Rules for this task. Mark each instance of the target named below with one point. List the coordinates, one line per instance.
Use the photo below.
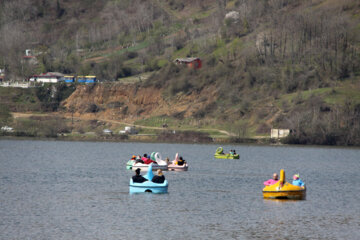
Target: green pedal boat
(220, 154)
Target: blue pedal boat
(148, 186)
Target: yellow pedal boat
(284, 190)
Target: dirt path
(148, 127)
(27, 115)
(279, 111)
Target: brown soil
(131, 102)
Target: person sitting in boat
(167, 160)
(145, 159)
(181, 161)
(138, 159)
(297, 181)
(138, 178)
(148, 161)
(272, 181)
(133, 157)
(159, 178)
(234, 152)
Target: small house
(193, 62)
(28, 52)
(29, 57)
(279, 133)
(50, 77)
(129, 130)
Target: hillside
(281, 63)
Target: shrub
(115, 104)
(263, 129)
(92, 108)
(179, 43)
(51, 95)
(131, 55)
(5, 115)
(179, 115)
(152, 65)
(41, 127)
(187, 136)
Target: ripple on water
(79, 190)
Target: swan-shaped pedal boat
(148, 186)
(220, 154)
(130, 163)
(284, 190)
(160, 164)
(173, 166)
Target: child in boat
(272, 181)
(159, 178)
(138, 178)
(297, 181)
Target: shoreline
(137, 140)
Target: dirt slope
(130, 102)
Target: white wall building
(279, 133)
(50, 77)
(129, 130)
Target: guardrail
(16, 84)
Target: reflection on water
(79, 190)
(280, 200)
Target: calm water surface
(79, 190)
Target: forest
(291, 64)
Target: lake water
(79, 190)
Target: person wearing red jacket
(147, 160)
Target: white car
(107, 131)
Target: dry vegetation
(270, 50)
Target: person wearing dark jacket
(138, 178)
(138, 159)
(181, 161)
(159, 178)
